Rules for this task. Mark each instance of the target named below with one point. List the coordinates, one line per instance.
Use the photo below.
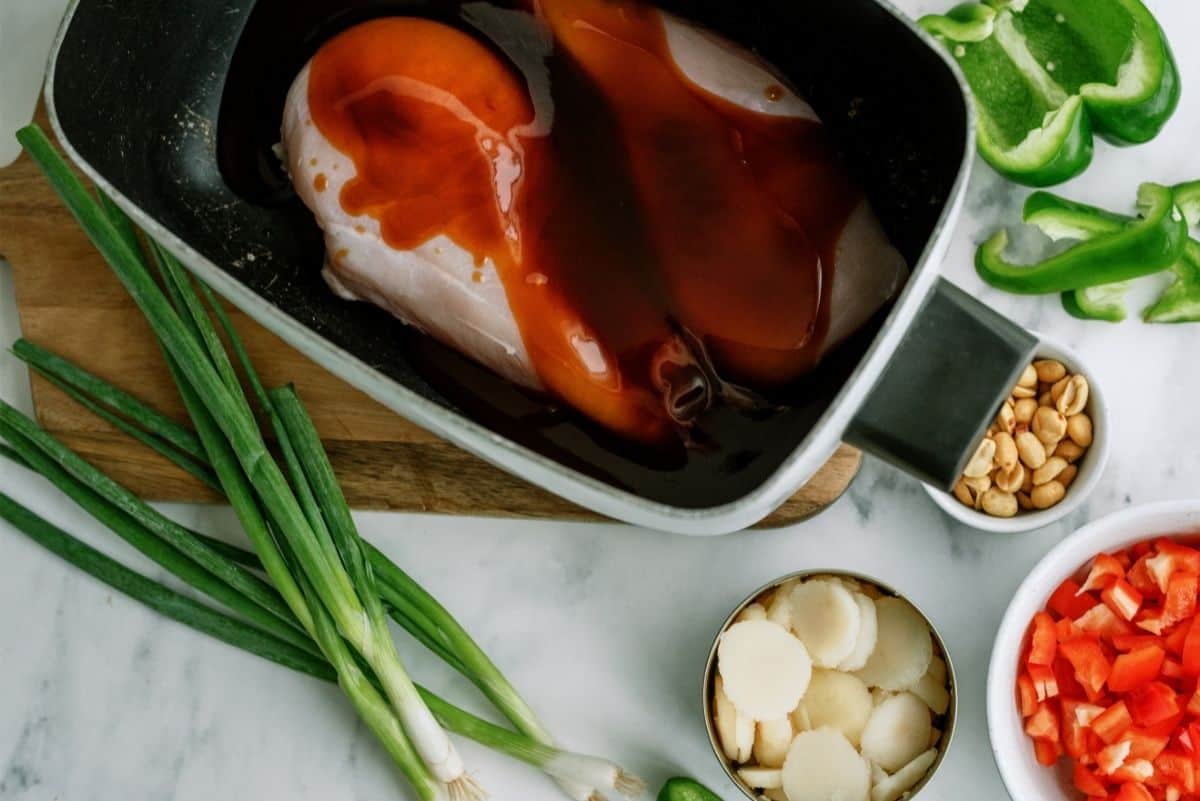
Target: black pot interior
(177, 105)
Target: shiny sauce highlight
(654, 240)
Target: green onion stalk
(330, 580)
(239, 634)
(329, 585)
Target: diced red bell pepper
(1074, 733)
(1193, 731)
(1131, 642)
(1153, 620)
(1193, 704)
(1066, 629)
(1140, 577)
(1132, 791)
(1068, 602)
(1145, 746)
(1176, 637)
(1103, 622)
(1122, 598)
(1047, 752)
(1136, 668)
(1180, 601)
(1176, 769)
(1112, 724)
(1110, 758)
(1171, 557)
(1026, 695)
(1104, 571)
(1152, 704)
(1043, 724)
(1172, 669)
(1087, 782)
(1087, 657)
(1166, 726)
(1045, 683)
(1134, 770)
(1068, 685)
(1043, 640)
(1191, 650)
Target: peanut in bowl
(1043, 454)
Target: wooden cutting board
(70, 303)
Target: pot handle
(942, 387)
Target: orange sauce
(649, 236)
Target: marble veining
(604, 627)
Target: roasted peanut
(1058, 389)
(1045, 400)
(1010, 479)
(1006, 419)
(963, 493)
(982, 462)
(1079, 429)
(1068, 450)
(1024, 409)
(1052, 448)
(999, 504)
(1024, 392)
(1074, 397)
(1006, 450)
(1049, 471)
(1049, 425)
(1049, 370)
(1024, 502)
(1047, 495)
(1029, 378)
(1067, 476)
(1031, 450)
(1027, 483)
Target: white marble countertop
(605, 627)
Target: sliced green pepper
(1059, 218)
(681, 789)
(1187, 198)
(1045, 73)
(1140, 247)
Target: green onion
(144, 540)
(302, 530)
(232, 631)
(328, 578)
(160, 599)
(50, 364)
(409, 603)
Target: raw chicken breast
(526, 325)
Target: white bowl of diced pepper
(1043, 453)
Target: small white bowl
(1025, 779)
(1091, 466)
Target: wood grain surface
(70, 303)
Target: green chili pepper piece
(1141, 247)
(1046, 73)
(683, 789)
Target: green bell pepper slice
(683, 789)
(1045, 74)
(1180, 302)
(1143, 246)
(1060, 218)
